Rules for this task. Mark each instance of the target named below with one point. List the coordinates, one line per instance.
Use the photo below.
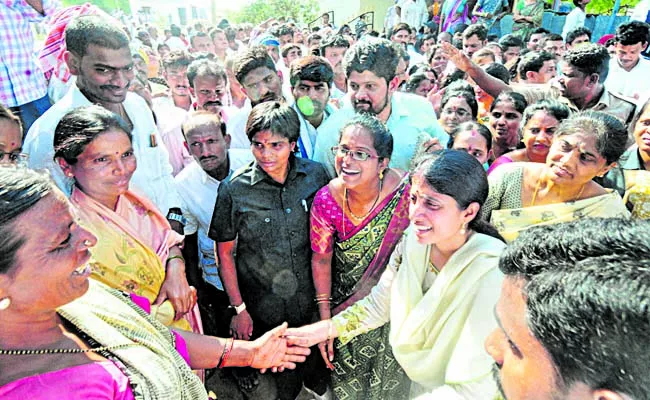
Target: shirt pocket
(257, 228)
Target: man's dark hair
(553, 37)
(175, 30)
(311, 68)
(576, 33)
(252, 58)
(632, 32)
(509, 41)
(282, 30)
(378, 56)
(533, 61)
(539, 30)
(333, 41)
(94, 30)
(589, 59)
(276, 117)
(476, 29)
(587, 288)
(400, 26)
(498, 71)
(288, 47)
(312, 37)
(205, 67)
(177, 59)
(610, 42)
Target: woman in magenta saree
(351, 252)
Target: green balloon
(306, 106)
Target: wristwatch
(177, 217)
(240, 308)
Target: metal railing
(361, 22)
(330, 13)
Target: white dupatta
(437, 336)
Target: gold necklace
(345, 197)
(539, 184)
(63, 351)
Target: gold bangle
(177, 256)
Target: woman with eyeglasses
(11, 138)
(356, 222)
(456, 107)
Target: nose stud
(87, 243)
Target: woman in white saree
(440, 287)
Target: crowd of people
(440, 210)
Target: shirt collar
(605, 99)
(631, 159)
(397, 107)
(295, 168)
(205, 178)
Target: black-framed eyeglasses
(357, 155)
(15, 157)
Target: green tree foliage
(606, 6)
(603, 6)
(107, 5)
(302, 11)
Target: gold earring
(463, 230)
(5, 303)
(381, 175)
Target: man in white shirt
(197, 185)
(174, 41)
(311, 82)
(414, 13)
(260, 81)
(628, 71)
(370, 66)
(576, 17)
(333, 48)
(98, 55)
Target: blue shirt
(412, 122)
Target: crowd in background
(440, 210)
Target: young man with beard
(628, 70)
(98, 55)
(311, 82)
(573, 313)
(370, 66)
(260, 81)
(333, 48)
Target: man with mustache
(370, 67)
(208, 84)
(580, 84)
(207, 139)
(628, 70)
(333, 48)
(260, 81)
(98, 55)
(175, 73)
(573, 313)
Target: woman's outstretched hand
(276, 351)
